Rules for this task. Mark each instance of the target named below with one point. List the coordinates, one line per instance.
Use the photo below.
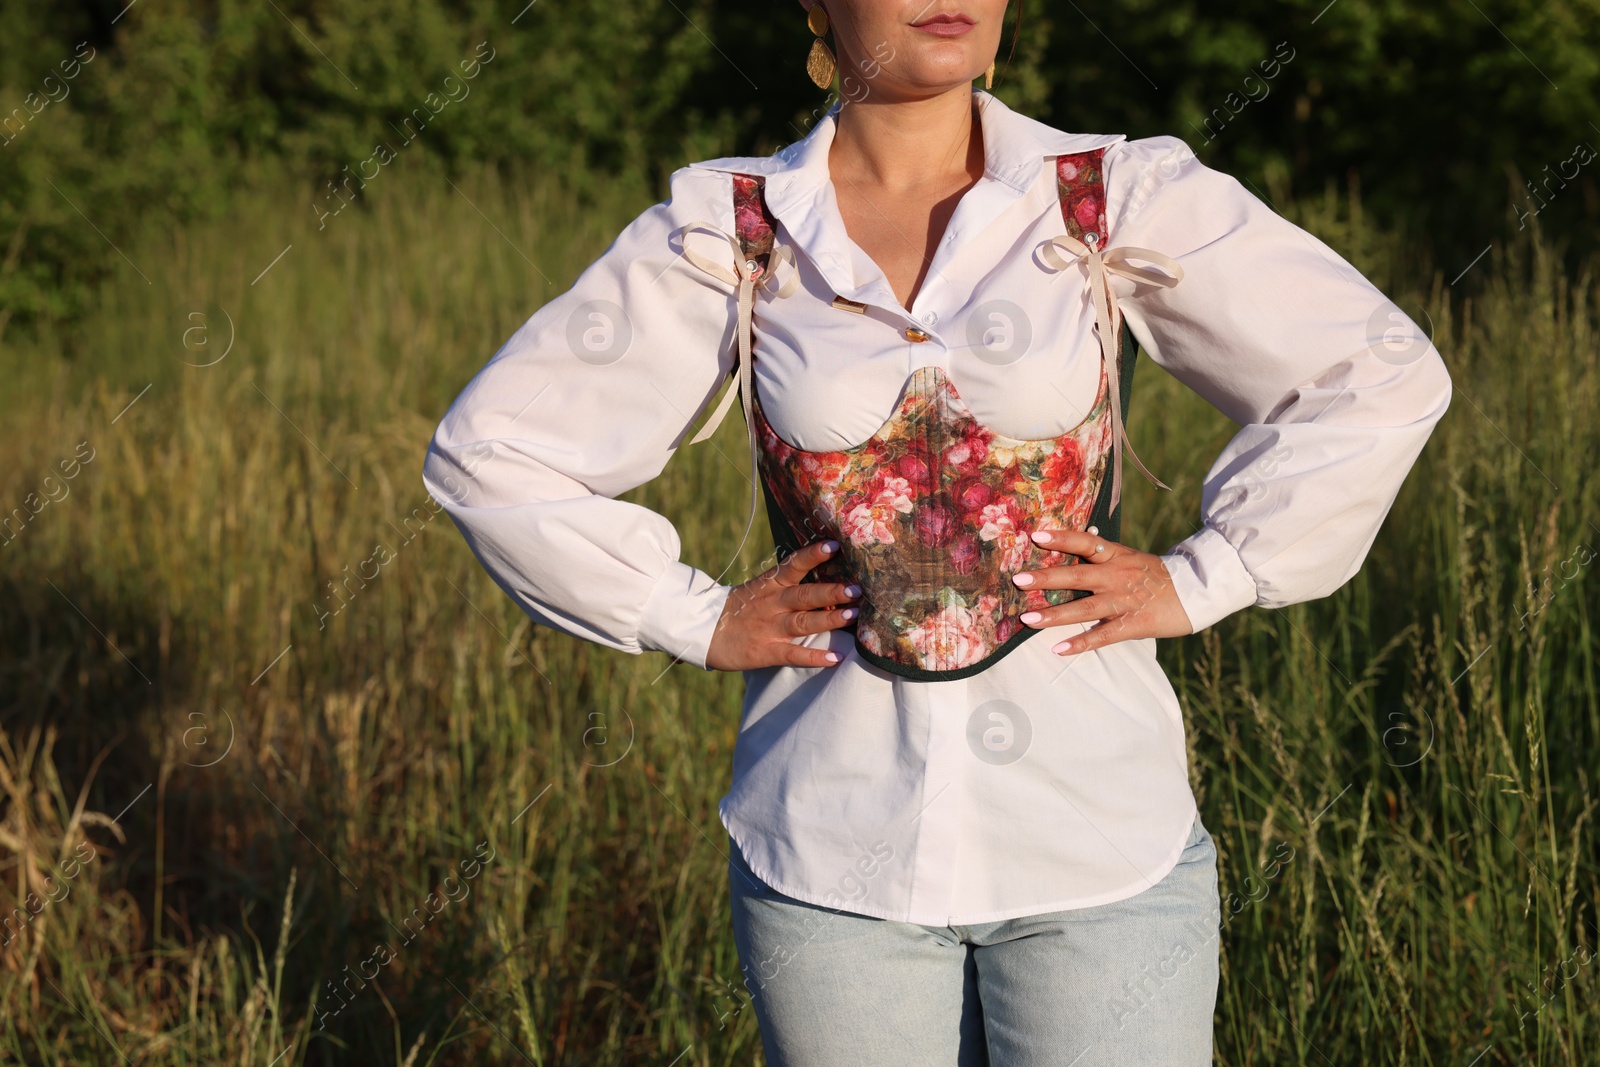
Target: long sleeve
(1335, 390)
(588, 399)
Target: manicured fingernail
(1040, 537)
(831, 657)
(1023, 580)
(1031, 617)
(1062, 648)
(849, 613)
(852, 591)
(830, 547)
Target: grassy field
(222, 796)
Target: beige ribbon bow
(1108, 317)
(746, 275)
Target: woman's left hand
(1131, 593)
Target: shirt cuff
(682, 613)
(1209, 578)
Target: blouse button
(915, 335)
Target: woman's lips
(946, 25)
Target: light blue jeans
(1129, 984)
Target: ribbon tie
(745, 277)
(1108, 318)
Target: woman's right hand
(762, 617)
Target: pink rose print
(893, 492)
(996, 521)
(967, 455)
(972, 494)
(964, 554)
(915, 469)
(936, 525)
(1015, 551)
(1087, 216)
(866, 524)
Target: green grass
(1443, 872)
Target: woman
(952, 844)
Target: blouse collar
(799, 189)
(1014, 148)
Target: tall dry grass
(266, 790)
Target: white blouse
(1043, 783)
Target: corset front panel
(933, 514)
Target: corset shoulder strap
(755, 234)
(753, 223)
(1081, 188)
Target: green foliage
(1432, 105)
(1442, 112)
(184, 103)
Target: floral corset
(934, 511)
(933, 514)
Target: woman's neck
(908, 144)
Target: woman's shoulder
(1135, 172)
(700, 192)
(1132, 168)
(704, 188)
(1162, 179)
(1140, 154)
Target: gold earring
(988, 77)
(820, 63)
